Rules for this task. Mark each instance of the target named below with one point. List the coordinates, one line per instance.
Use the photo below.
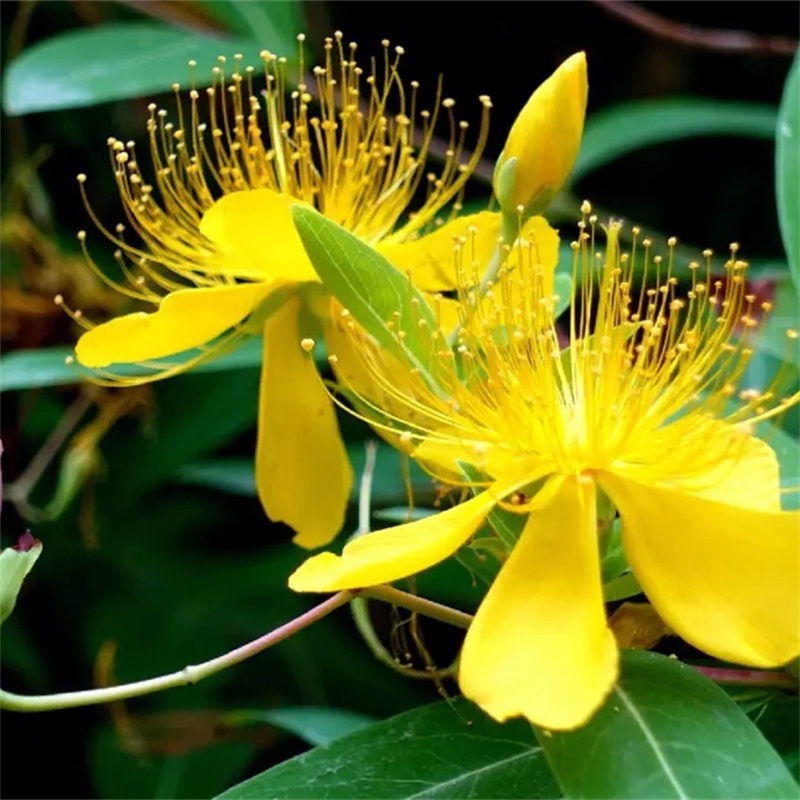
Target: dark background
(175, 576)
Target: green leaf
(267, 21)
(231, 475)
(314, 725)
(195, 417)
(778, 719)
(788, 454)
(785, 315)
(35, 369)
(388, 487)
(787, 169)
(621, 130)
(116, 61)
(366, 284)
(237, 475)
(562, 288)
(666, 731)
(614, 562)
(442, 750)
(482, 558)
(187, 773)
(621, 588)
(15, 564)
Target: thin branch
(723, 41)
(18, 491)
(359, 607)
(194, 673)
(419, 604)
(188, 675)
(761, 679)
(365, 492)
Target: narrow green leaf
(787, 169)
(667, 731)
(366, 284)
(314, 725)
(35, 369)
(118, 60)
(621, 130)
(449, 750)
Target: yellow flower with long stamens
(215, 255)
(642, 412)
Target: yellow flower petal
(746, 473)
(395, 553)
(302, 471)
(543, 241)
(724, 577)
(539, 646)
(185, 319)
(449, 313)
(351, 348)
(430, 258)
(447, 446)
(254, 232)
(543, 252)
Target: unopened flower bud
(15, 563)
(543, 142)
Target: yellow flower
(215, 254)
(544, 140)
(640, 411)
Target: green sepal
(15, 563)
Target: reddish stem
(693, 36)
(749, 677)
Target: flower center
(640, 374)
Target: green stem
(360, 609)
(490, 273)
(365, 492)
(509, 230)
(427, 608)
(196, 672)
(188, 675)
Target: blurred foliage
(155, 547)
